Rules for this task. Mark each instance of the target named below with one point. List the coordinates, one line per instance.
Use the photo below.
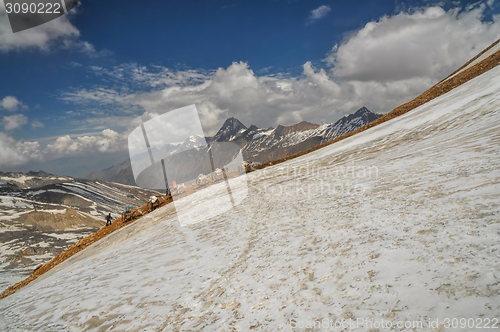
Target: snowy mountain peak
(191, 142)
(253, 128)
(229, 129)
(233, 122)
(363, 110)
(195, 138)
(362, 115)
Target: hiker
(152, 201)
(108, 219)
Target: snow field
(419, 242)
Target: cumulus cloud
(386, 63)
(318, 13)
(427, 43)
(10, 103)
(44, 37)
(9, 155)
(14, 153)
(261, 100)
(14, 121)
(108, 141)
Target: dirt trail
(434, 92)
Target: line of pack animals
(154, 202)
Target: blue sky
(72, 89)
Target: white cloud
(383, 65)
(234, 91)
(10, 103)
(261, 100)
(110, 133)
(108, 141)
(37, 124)
(9, 155)
(14, 121)
(425, 44)
(58, 32)
(14, 153)
(101, 95)
(150, 77)
(386, 63)
(318, 13)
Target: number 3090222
(33, 8)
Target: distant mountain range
(257, 144)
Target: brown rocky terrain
(50, 222)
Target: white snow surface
(400, 223)
(64, 236)
(21, 179)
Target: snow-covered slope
(400, 224)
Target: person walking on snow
(108, 219)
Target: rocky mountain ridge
(257, 144)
